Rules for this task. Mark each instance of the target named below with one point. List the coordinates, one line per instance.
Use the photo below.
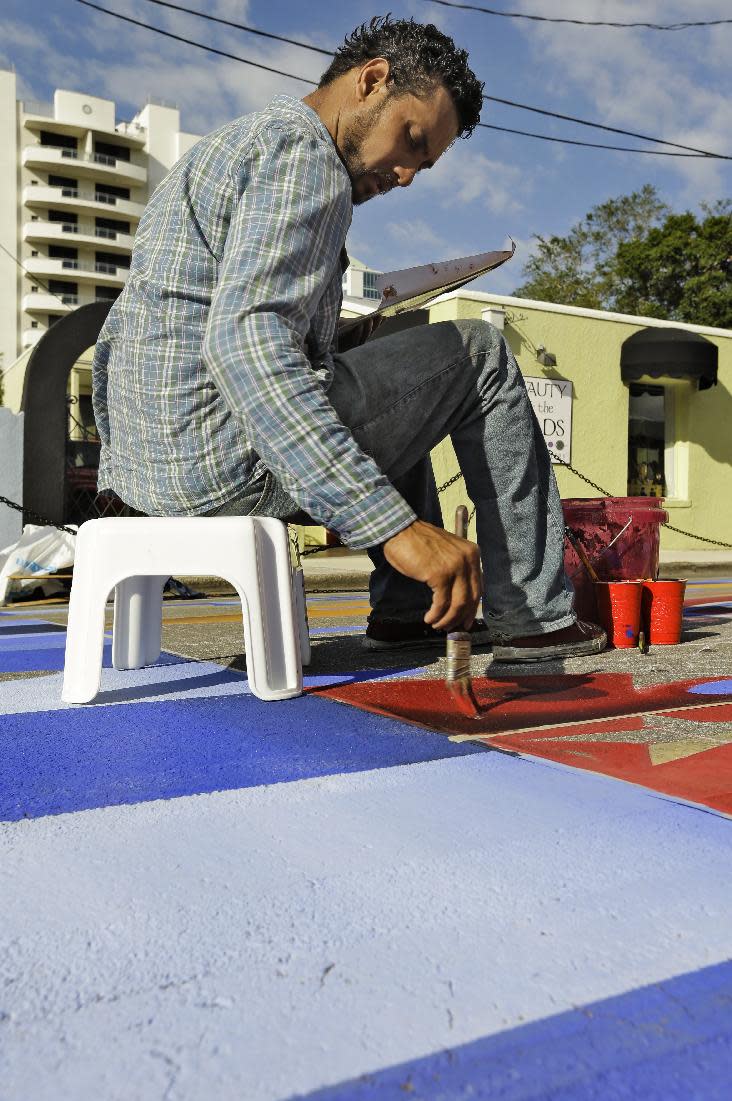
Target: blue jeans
(401, 395)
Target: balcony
(43, 302)
(78, 233)
(40, 116)
(96, 271)
(70, 198)
(97, 166)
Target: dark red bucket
(630, 524)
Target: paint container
(662, 611)
(619, 611)
(597, 522)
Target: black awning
(669, 353)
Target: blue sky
(674, 85)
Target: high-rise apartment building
(73, 185)
(359, 282)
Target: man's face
(395, 136)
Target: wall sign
(551, 399)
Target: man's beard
(352, 145)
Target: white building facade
(73, 186)
(359, 283)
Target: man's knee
(478, 335)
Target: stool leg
(85, 628)
(138, 603)
(127, 634)
(152, 618)
(301, 613)
(263, 579)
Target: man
(219, 389)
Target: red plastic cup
(662, 611)
(619, 611)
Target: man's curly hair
(419, 55)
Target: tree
(574, 270)
(676, 270)
(633, 255)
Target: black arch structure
(44, 405)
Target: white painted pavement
(260, 943)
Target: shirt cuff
(373, 519)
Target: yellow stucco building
(643, 418)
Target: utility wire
(602, 126)
(581, 22)
(42, 285)
(486, 126)
(492, 99)
(242, 27)
(597, 145)
(33, 278)
(191, 42)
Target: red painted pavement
(537, 714)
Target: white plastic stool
(136, 555)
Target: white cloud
(409, 231)
(127, 63)
(652, 82)
(462, 176)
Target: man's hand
(449, 565)
(359, 333)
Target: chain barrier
(449, 482)
(671, 527)
(583, 477)
(564, 462)
(702, 538)
(35, 517)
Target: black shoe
(395, 634)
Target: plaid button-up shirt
(214, 363)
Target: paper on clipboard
(414, 287)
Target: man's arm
(281, 253)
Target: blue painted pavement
(668, 1042)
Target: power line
(242, 27)
(595, 145)
(487, 126)
(191, 42)
(32, 277)
(610, 129)
(42, 285)
(492, 99)
(581, 22)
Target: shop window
(657, 449)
